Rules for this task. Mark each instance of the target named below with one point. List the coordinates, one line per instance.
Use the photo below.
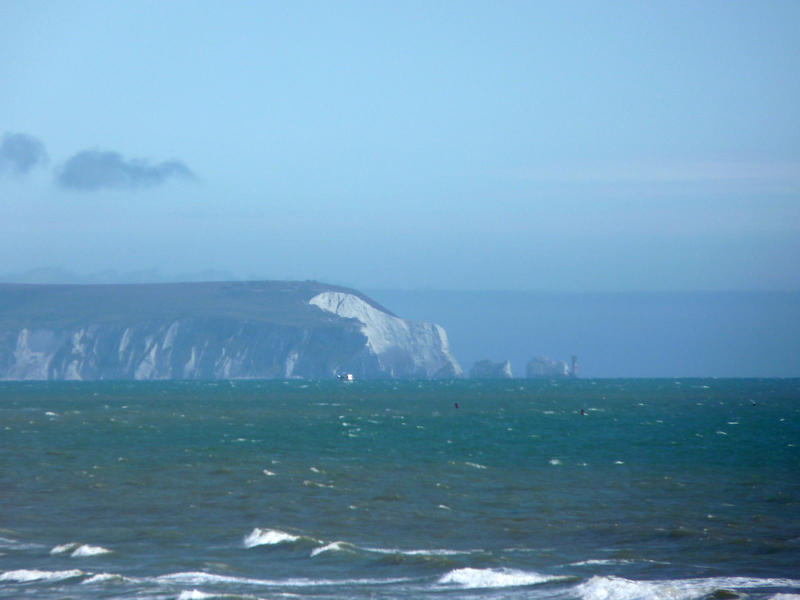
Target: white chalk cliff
(227, 330)
(403, 348)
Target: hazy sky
(473, 145)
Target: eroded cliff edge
(231, 330)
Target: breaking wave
(28, 575)
(78, 550)
(619, 588)
(87, 550)
(494, 578)
(194, 578)
(334, 547)
(198, 595)
(268, 537)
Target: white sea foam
(26, 575)
(198, 595)
(197, 578)
(79, 550)
(333, 547)
(106, 578)
(203, 578)
(194, 595)
(64, 548)
(618, 588)
(436, 552)
(785, 597)
(602, 561)
(268, 537)
(493, 578)
(475, 465)
(317, 484)
(424, 552)
(87, 550)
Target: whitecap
(203, 578)
(106, 578)
(64, 548)
(618, 588)
(26, 575)
(194, 578)
(422, 552)
(493, 578)
(615, 561)
(437, 552)
(475, 465)
(267, 537)
(602, 561)
(317, 484)
(555, 462)
(333, 547)
(87, 550)
(198, 595)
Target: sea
(573, 489)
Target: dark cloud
(19, 153)
(96, 169)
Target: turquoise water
(271, 489)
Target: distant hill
(260, 329)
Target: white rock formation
(394, 341)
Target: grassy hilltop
(65, 306)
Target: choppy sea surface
(519, 489)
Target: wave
(275, 537)
(334, 547)
(28, 575)
(64, 548)
(432, 552)
(615, 562)
(602, 561)
(268, 537)
(618, 588)
(495, 578)
(79, 550)
(475, 465)
(198, 595)
(108, 578)
(87, 550)
(202, 578)
(10, 544)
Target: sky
(556, 146)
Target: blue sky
(580, 146)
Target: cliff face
(402, 348)
(210, 331)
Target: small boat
(345, 377)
